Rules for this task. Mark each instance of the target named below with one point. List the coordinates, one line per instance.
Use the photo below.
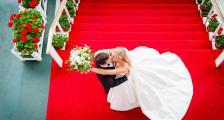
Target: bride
(159, 84)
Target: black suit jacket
(109, 81)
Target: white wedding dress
(159, 84)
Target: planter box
(41, 7)
(72, 18)
(65, 33)
(211, 34)
(65, 42)
(37, 55)
(204, 19)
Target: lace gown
(159, 84)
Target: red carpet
(166, 25)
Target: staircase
(166, 25)
(152, 23)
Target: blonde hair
(121, 54)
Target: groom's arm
(111, 71)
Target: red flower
(35, 46)
(42, 27)
(29, 29)
(35, 39)
(14, 40)
(12, 17)
(28, 25)
(19, 1)
(63, 12)
(203, 8)
(34, 18)
(18, 16)
(61, 0)
(20, 24)
(33, 3)
(220, 31)
(23, 32)
(10, 24)
(57, 29)
(36, 29)
(214, 16)
(64, 29)
(23, 38)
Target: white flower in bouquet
(81, 59)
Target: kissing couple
(160, 84)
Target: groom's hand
(93, 69)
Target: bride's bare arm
(109, 51)
(110, 71)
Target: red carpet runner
(166, 25)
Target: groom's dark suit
(109, 81)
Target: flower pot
(67, 35)
(41, 7)
(220, 44)
(65, 43)
(36, 55)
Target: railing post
(219, 59)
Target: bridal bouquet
(81, 59)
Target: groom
(103, 61)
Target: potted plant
(59, 41)
(212, 23)
(27, 27)
(29, 3)
(71, 7)
(219, 41)
(205, 8)
(40, 5)
(64, 22)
